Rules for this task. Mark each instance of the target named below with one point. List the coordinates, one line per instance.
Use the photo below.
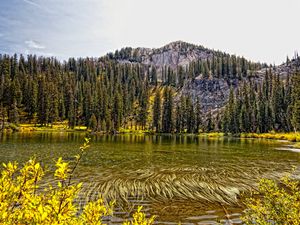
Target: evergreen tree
(198, 116)
(295, 119)
(178, 121)
(167, 115)
(244, 119)
(261, 119)
(183, 115)
(153, 76)
(209, 123)
(230, 120)
(117, 111)
(93, 123)
(157, 111)
(143, 109)
(190, 115)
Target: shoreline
(63, 127)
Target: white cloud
(32, 3)
(34, 44)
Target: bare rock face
(212, 93)
(175, 54)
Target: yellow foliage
(294, 137)
(275, 204)
(212, 135)
(139, 218)
(23, 202)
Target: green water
(179, 178)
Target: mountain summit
(174, 54)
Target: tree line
(106, 95)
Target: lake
(185, 178)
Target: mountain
(212, 88)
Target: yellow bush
(274, 204)
(139, 218)
(22, 201)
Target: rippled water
(179, 178)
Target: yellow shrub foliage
(275, 204)
(22, 201)
(294, 137)
(139, 218)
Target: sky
(260, 30)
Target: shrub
(139, 218)
(275, 203)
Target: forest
(107, 94)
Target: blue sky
(261, 30)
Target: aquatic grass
(174, 184)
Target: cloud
(32, 3)
(34, 44)
(39, 5)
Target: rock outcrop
(213, 93)
(174, 54)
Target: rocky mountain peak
(178, 46)
(174, 54)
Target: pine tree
(167, 115)
(178, 121)
(198, 116)
(93, 123)
(276, 103)
(261, 120)
(43, 101)
(190, 115)
(209, 123)
(14, 114)
(71, 112)
(230, 120)
(117, 111)
(244, 119)
(157, 111)
(143, 109)
(183, 115)
(295, 119)
(153, 76)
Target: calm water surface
(179, 178)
